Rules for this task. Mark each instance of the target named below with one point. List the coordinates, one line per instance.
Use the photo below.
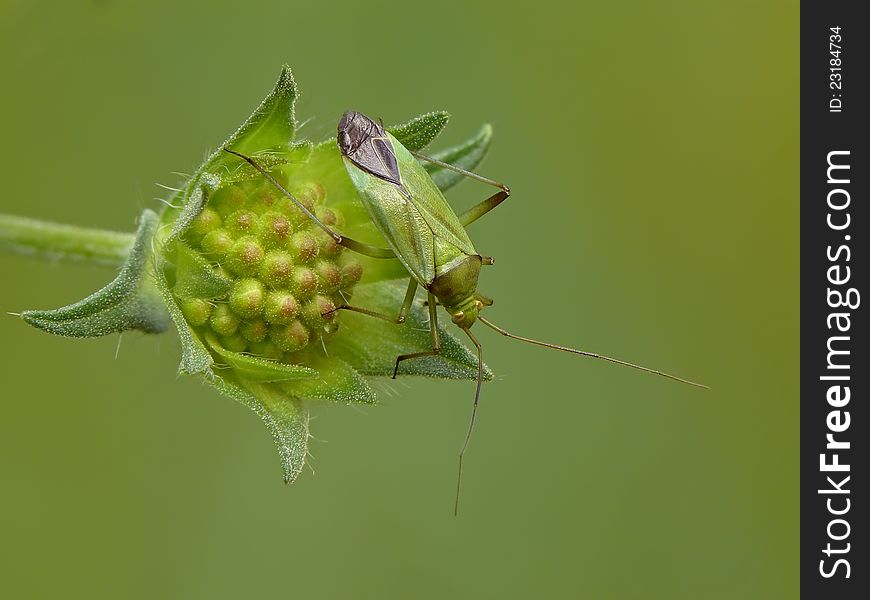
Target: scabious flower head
(253, 285)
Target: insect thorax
(456, 285)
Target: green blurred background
(652, 149)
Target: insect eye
(459, 317)
(478, 304)
(344, 140)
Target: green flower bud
(318, 311)
(228, 200)
(288, 208)
(206, 221)
(235, 343)
(351, 271)
(217, 243)
(303, 246)
(309, 193)
(196, 311)
(328, 276)
(274, 229)
(290, 337)
(223, 322)
(276, 269)
(246, 299)
(303, 282)
(254, 331)
(326, 215)
(267, 197)
(241, 222)
(281, 308)
(326, 245)
(245, 256)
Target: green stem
(19, 235)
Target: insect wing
(430, 202)
(402, 225)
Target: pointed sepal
(130, 301)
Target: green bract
(246, 278)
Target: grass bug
(426, 236)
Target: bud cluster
(287, 274)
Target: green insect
(425, 235)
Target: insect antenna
(589, 354)
(473, 417)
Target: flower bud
(234, 343)
(196, 311)
(309, 193)
(246, 298)
(326, 245)
(274, 229)
(241, 222)
(290, 337)
(245, 256)
(217, 243)
(206, 221)
(223, 322)
(318, 311)
(326, 215)
(328, 276)
(303, 246)
(303, 282)
(351, 271)
(228, 200)
(281, 308)
(276, 269)
(254, 331)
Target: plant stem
(19, 235)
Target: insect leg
(436, 339)
(477, 211)
(465, 172)
(403, 311)
(473, 417)
(348, 243)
